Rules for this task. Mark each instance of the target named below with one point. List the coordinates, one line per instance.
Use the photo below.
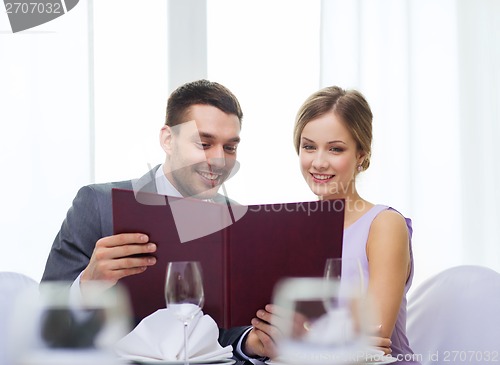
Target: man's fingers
(265, 327)
(115, 275)
(268, 345)
(117, 268)
(105, 252)
(121, 255)
(277, 310)
(134, 249)
(264, 315)
(131, 262)
(122, 239)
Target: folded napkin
(160, 336)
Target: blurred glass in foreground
(50, 326)
(322, 321)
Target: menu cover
(243, 250)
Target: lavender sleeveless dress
(354, 246)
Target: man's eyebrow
(205, 135)
(211, 136)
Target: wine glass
(351, 308)
(184, 293)
(348, 272)
(345, 279)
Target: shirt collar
(163, 186)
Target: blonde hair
(349, 105)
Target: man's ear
(166, 139)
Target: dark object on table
(68, 328)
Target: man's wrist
(241, 346)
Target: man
(200, 139)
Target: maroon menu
(243, 250)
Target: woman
(332, 136)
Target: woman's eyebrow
(330, 142)
(307, 139)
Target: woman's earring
(360, 168)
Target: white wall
(45, 144)
(270, 59)
(130, 58)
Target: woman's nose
(320, 162)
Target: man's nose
(216, 156)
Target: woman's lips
(321, 178)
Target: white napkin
(160, 336)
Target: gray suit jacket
(89, 219)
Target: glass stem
(186, 362)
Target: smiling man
(200, 139)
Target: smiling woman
(333, 131)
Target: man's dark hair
(200, 92)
